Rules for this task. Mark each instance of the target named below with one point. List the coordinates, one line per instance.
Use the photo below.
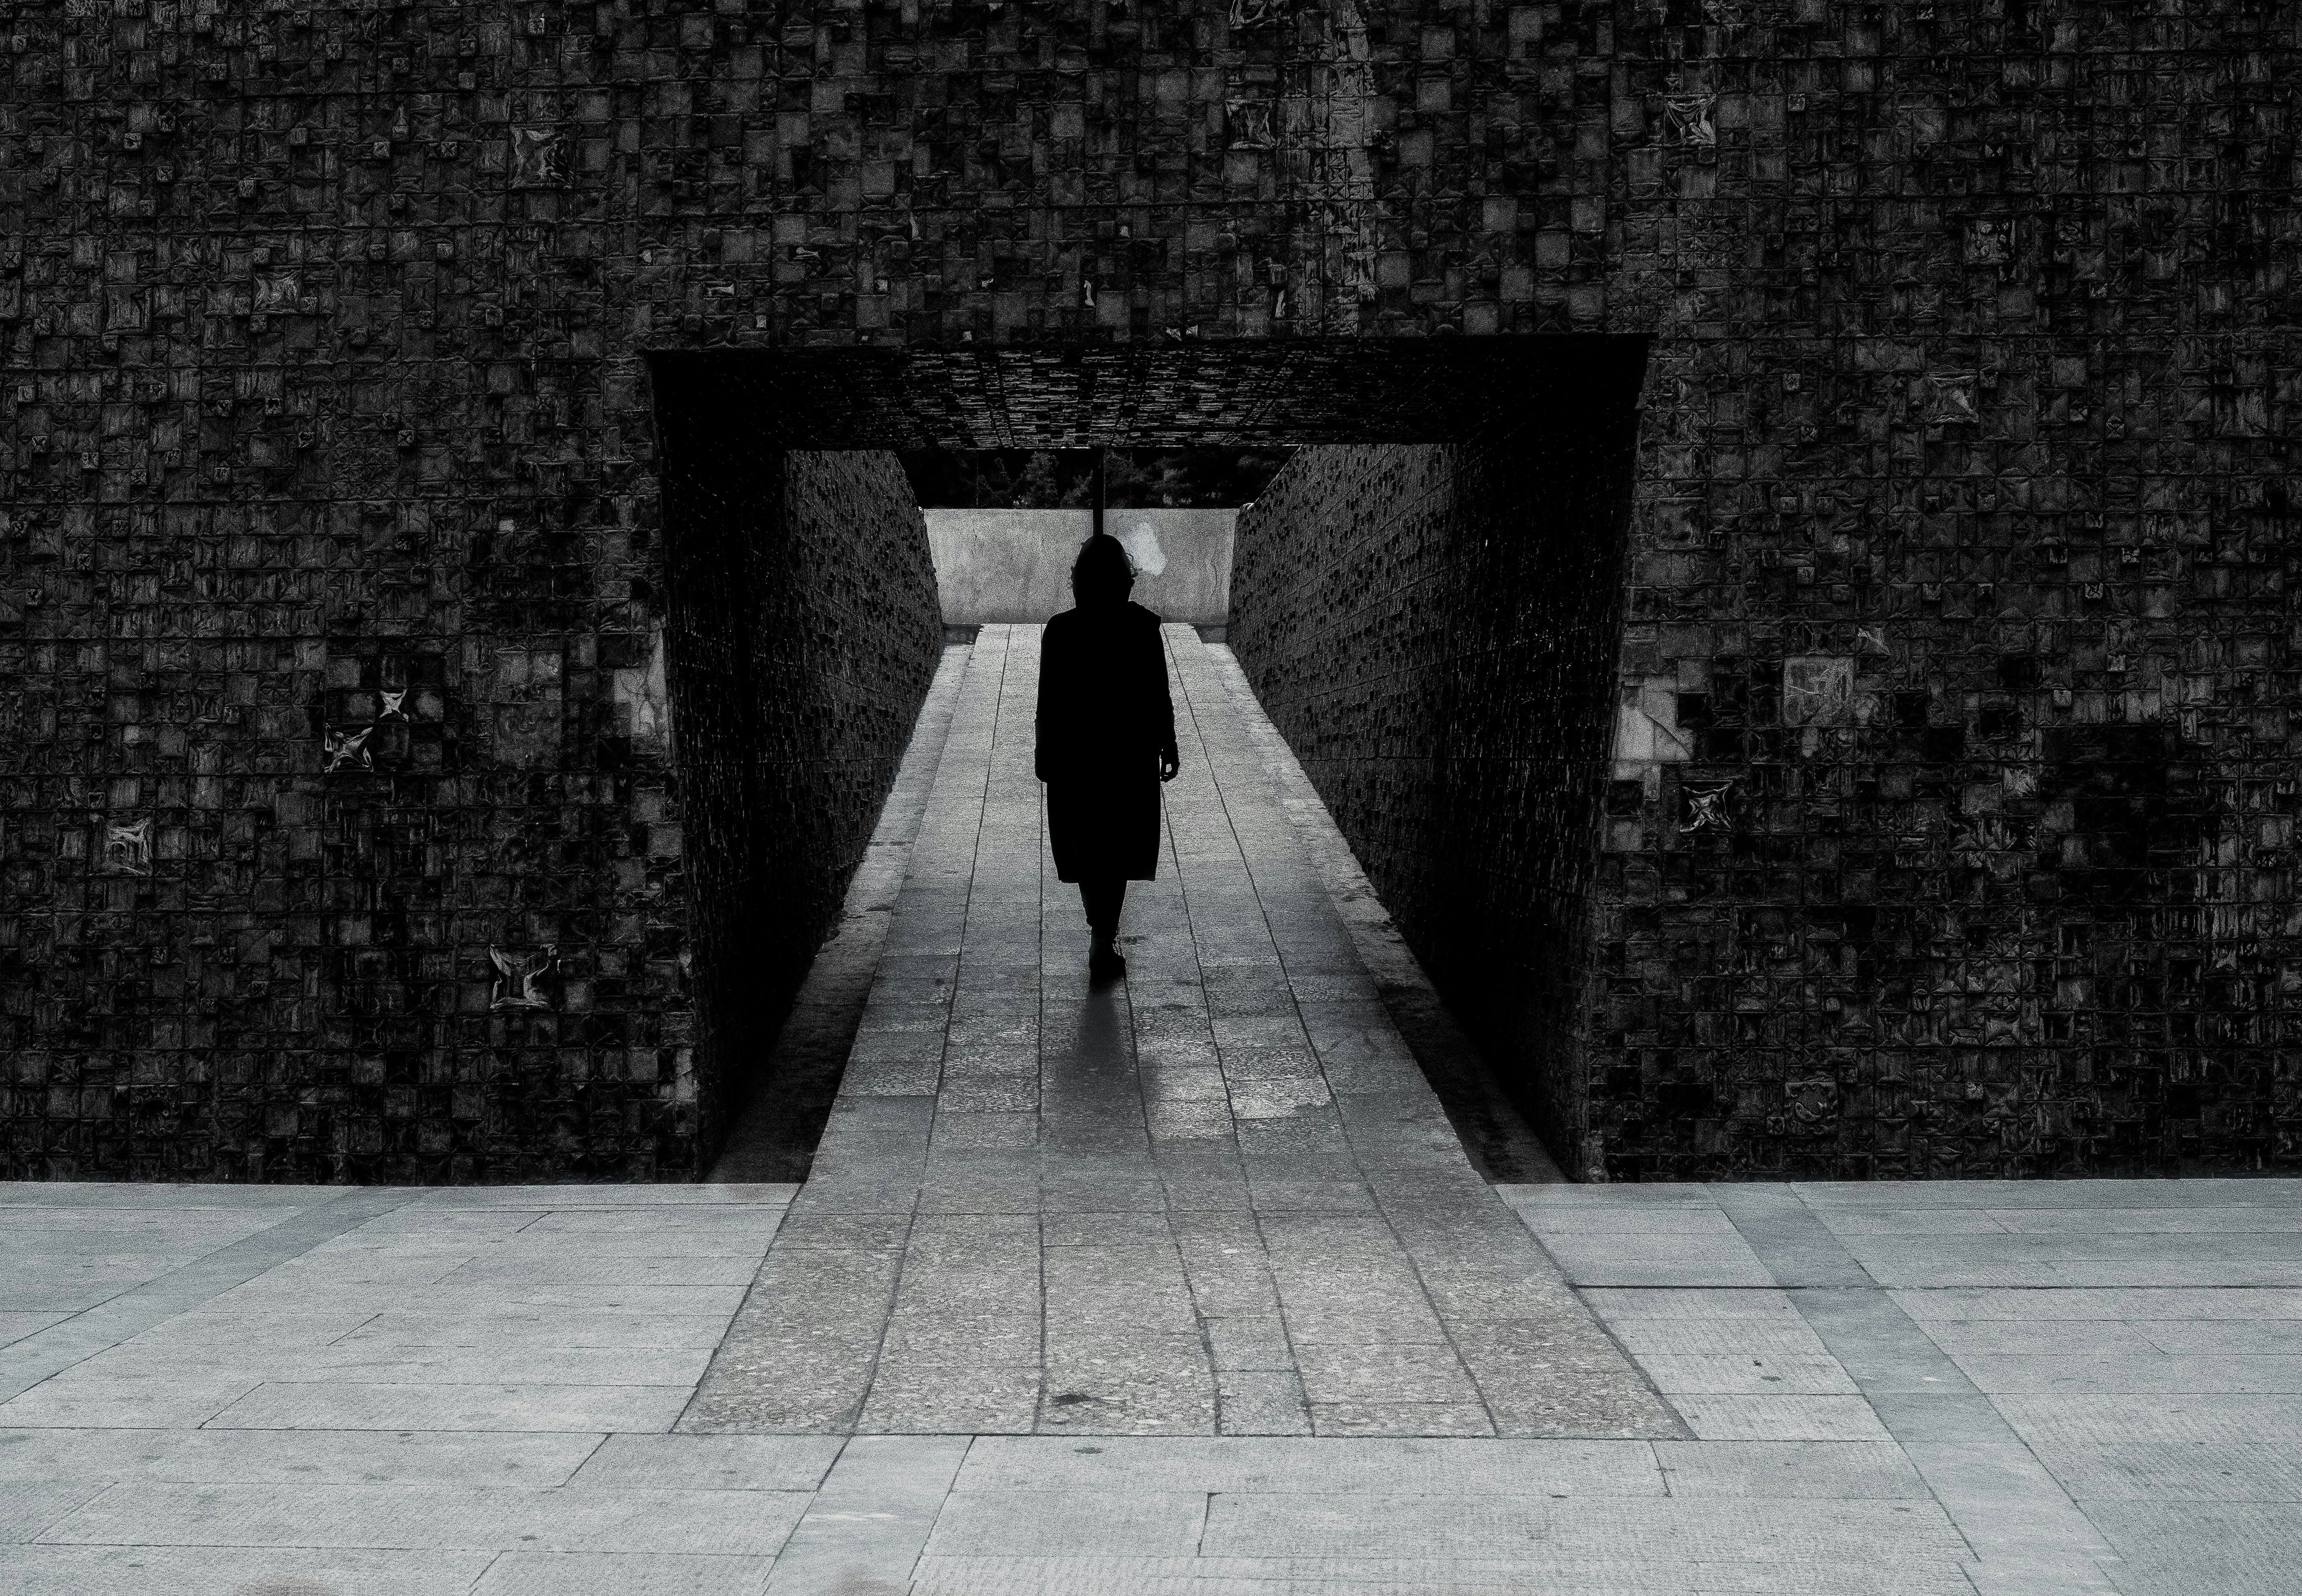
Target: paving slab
(1402, 1525)
(626, 1574)
(432, 1517)
(1780, 1469)
(30, 1507)
(709, 1462)
(383, 1406)
(1459, 1576)
(2200, 1470)
(275, 1456)
(2180, 1549)
(1073, 1522)
(867, 1525)
(1298, 1467)
(142, 1570)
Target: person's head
(1103, 573)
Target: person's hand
(1170, 762)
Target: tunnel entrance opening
(1427, 599)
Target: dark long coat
(1105, 719)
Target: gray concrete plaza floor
(1185, 1288)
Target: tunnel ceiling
(1240, 395)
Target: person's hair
(1103, 573)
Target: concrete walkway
(1182, 1289)
(1219, 1198)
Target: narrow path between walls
(1218, 1198)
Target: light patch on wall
(1647, 737)
(521, 978)
(641, 697)
(347, 750)
(1141, 542)
(128, 849)
(1819, 690)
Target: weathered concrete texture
(1216, 1199)
(1016, 565)
(1434, 631)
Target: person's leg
(1104, 899)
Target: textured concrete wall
(1434, 630)
(802, 635)
(1016, 565)
(1954, 827)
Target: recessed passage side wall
(804, 631)
(1434, 629)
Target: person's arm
(1042, 753)
(1170, 757)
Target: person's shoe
(1103, 962)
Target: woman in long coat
(1105, 740)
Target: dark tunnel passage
(1426, 600)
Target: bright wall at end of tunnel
(803, 634)
(1434, 630)
(1015, 565)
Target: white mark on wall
(346, 748)
(1141, 542)
(1646, 732)
(519, 977)
(646, 704)
(1819, 690)
(128, 849)
(1706, 807)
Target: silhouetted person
(1106, 740)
